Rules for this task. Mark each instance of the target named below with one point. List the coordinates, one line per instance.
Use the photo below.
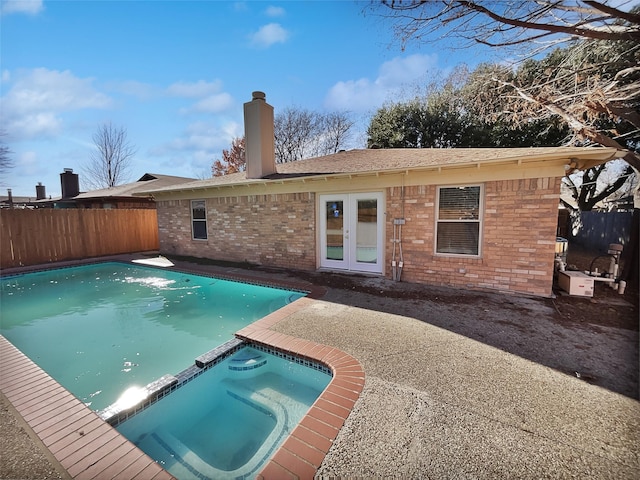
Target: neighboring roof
(4, 199)
(146, 182)
(405, 159)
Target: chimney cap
(68, 170)
(257, 95)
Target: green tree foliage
(459, 113)
(593, 85)
(420, 123)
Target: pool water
(101, 329)
(228, 421)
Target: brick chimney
(259, 137)
(70, 183)
(41, 192)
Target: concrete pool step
(304, 449)
(183, 462)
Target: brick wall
(262, 229)
(518, 235)
(518, 243)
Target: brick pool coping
(304, 449)
(88, 448)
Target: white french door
(351, 231)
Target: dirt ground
(618, 310)
(606, 308)
(594, 339)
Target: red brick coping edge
(305, 448)
(88, 448)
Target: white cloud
(32, 125)
(400, 71)
(140, 90)
(272, 11)
(212, 104)
(193, 153)
(393, 78)
(199, 142)
(36, 98)
(30, 7)
(268, 35)
(194, 89)
(27, 163)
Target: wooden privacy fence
(31, 237)
(599, 229)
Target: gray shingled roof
(146, 182)
(397, 159)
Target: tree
(596, 80)
(302, 133)
(593, 186)
(336, 128)
(436, 119)
(416, 124)
(498, 93)
(233, 160)
(450, 116)
(511, 24)
(110, 162)
(6, 162)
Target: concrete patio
(479, 388)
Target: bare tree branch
(548, 27)
(577, 125)
(506, 24)
(6, 162)
(110, 162)
(614, 12)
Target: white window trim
(480, 222)
(206, 228)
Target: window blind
(458, 225)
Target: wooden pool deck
(88, 448)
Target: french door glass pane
(366, 231)
(334, 232)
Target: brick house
(471, 218)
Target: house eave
(566, 161)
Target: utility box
(576, 283)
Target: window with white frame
(459, 220)
(198, 219)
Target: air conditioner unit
(576, 283)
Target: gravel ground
(22, 454)
(441, 404)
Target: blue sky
(175, 74)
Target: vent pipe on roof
(40, 191)
(259, 137)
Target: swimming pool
(227, 421)
(101, 329)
